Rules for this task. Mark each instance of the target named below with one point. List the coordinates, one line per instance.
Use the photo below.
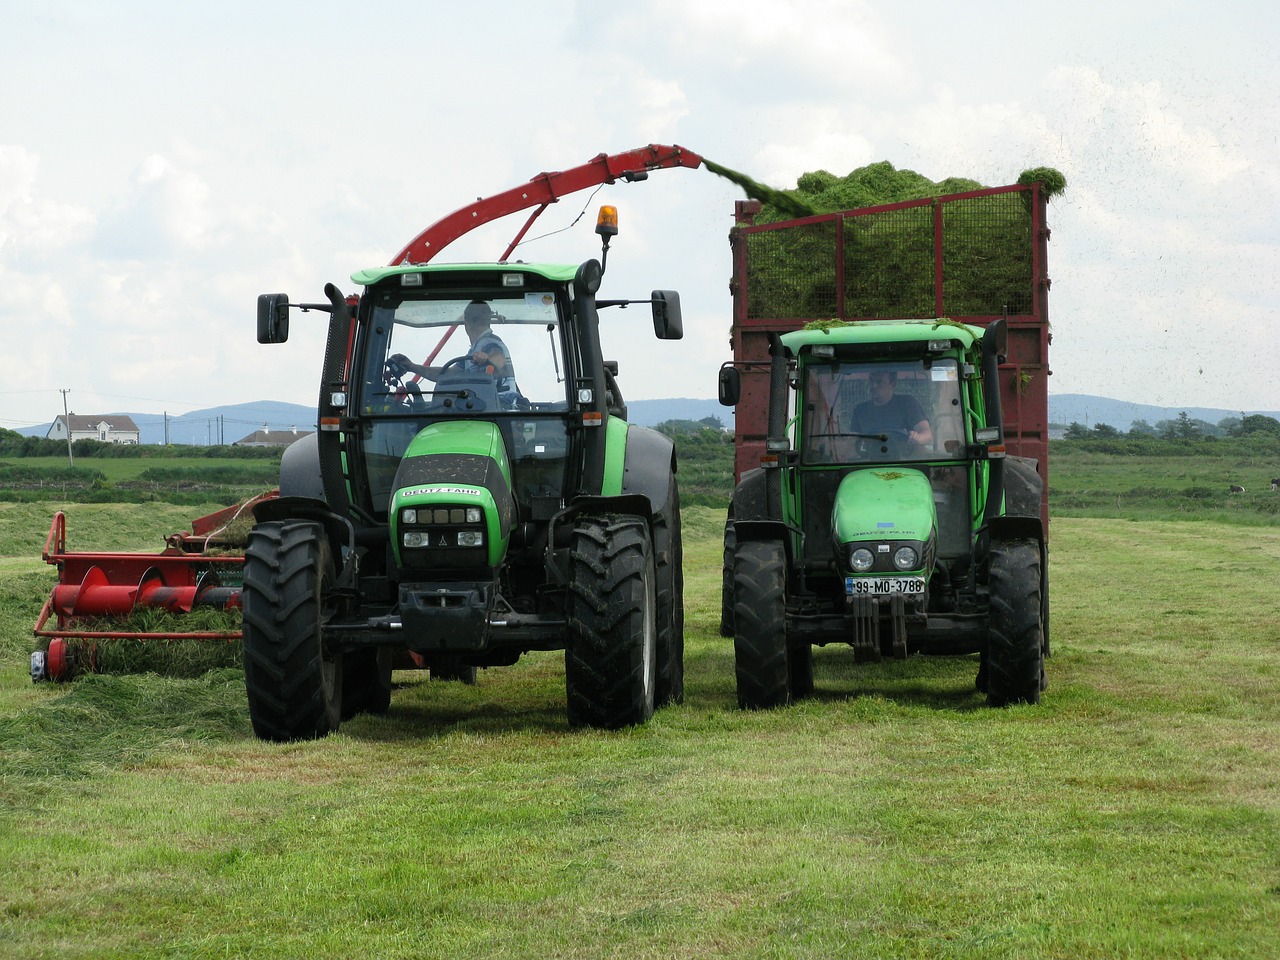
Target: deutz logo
(452, 491)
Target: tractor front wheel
(762, 660)
(294, 683)
(610, 658)
(1014, 661)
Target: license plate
(882, 586)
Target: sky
(162, 164)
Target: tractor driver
(897, 416)
(488, 355)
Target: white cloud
(29, 224)
(164, 213)
(122, 226)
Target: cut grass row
(1136, 812)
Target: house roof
(91, 421)
(272, 438)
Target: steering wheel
(456, 361)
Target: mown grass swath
(1135, 812)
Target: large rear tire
(610, 656)
(294, 684)
(1015, 639)
(726, 576)
(669, 568)
(761, 656)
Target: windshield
(897, 412)
(465, 355)
(434, 357)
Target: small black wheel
(366, 681)
(800, 669)
(761, 656)
(450, 669)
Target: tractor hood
(452, 506)
(883, 509)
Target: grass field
(1134, 813)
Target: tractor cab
(422, 367)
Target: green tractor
(465, 500)
(885, 514)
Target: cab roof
(558, 272)
(881, 331)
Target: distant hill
(233, 422)
(1071, 408)
(227, 424)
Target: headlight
(409, 515)
(906, 558)
(861, 559)
(416, 538)
(470, 538)
(473, 514)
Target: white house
(108, 429)
(272, 438)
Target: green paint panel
(558, 272)
(883, 331)
(614, 456)
(458, 463)
(892, 503)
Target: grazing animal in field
(1275, 485)
(1236, 488)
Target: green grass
(1136, 812)
(124, 469)
(1085, 483)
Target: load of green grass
(889, 256)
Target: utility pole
(66, 418)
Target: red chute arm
(540, 192)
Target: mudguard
(749, 497)
(648, 464)
(300, 469)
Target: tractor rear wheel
(1014, 659)
(366, 681)
(453, 670)
(800, 670)
(610, 657)
(294, 683)
(669, 568)
(761, 656)
(726, 577)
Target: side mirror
(995, 339)
(667, 322)
(273, 318)
(730, 386)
